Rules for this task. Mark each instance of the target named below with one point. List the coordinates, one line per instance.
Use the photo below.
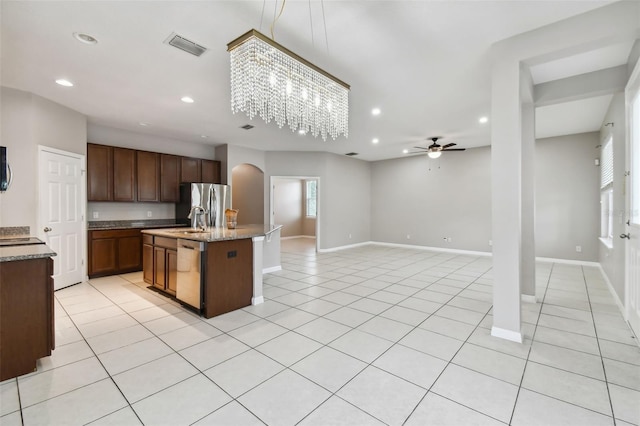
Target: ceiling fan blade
(448, 145)
(455, 149)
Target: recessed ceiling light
(405, 151)
(187, 100)
(376, 111)
(375, 140)
(144, 124)
(204, 136)
(63, 82)
(483, 120)
(302, 132)
(85, 38)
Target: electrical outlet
(579, 249)
(448, 239)
(96, 215)
(149, 213)
(490, 242)
(349, 236)
(408, 236)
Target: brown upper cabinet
(210, 171)
(169, 178)
(199, 170)
(191, 170)
(124, 174)
(99, 173)
(148, 176)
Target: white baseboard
(257, 300)
(514, 336)
(332, 249)
(272, 269)
(297, 236)
(439, 249)
(623, 310)
(528, 298)
(568, 261)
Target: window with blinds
(606, 164)
(606, 193)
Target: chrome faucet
(196, 213)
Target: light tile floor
(366, 336)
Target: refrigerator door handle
(213, 206)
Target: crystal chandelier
(269, 80)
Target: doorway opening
(247, 193)
(295, 204)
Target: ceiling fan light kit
(269, 80)
(435, 150)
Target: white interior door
(632, 287)
(61, 215)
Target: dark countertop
(215, 234)
(132, 224)
(35, 251)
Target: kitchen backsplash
(129, 211)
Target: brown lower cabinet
(114, 251)
(160, 263)
(228, 276)
(26, 314)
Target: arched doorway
(247, 193)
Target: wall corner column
(506, 191)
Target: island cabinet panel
(210, 171)
(147, 259)
(169, 178)
(99, 173)
(148, 176)
(26, 314)
(124, 174)
(114, 251)
(191, 170)
(229, 276)
(160, 266)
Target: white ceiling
(424, 63)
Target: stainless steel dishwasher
(189, 273)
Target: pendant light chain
(275, 19)
(324, 19)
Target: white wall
(613, 260)
(344, 189)
(27, 121)
(247, 192)
(453, 199)
(287, 206)
(126, 139)
(567, 197)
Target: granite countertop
(132, 224)
(34, 251)
(215, 234)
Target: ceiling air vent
(185, 44)
(247, 127)
(351, 154)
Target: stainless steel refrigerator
(212, 198)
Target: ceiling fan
(435, 150)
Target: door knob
(627, 236)
(47, 229)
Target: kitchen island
(213, 271)
(26, 308)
